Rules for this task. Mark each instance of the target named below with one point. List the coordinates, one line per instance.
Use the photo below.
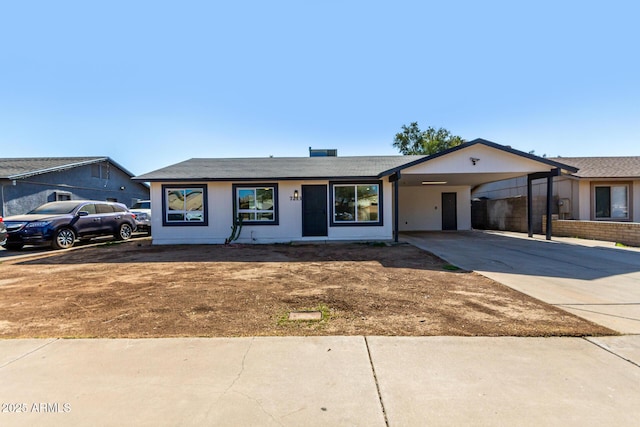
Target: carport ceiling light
(433, 182)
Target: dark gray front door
(314, 210)
(449, 211)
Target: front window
(256, 204)
(356, 204)
(185, 205)
(612, 202)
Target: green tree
(431, 141)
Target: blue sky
(151, 83)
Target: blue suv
(61, 223)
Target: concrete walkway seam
(610, 351)
(573, 307)
(375, 379)
(29, 352)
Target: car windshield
(142, 205)
(55, 208)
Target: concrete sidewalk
(292, 381)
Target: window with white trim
(184, 205)
(356, 204)
(256, 204)
(612, 202)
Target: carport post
(395, 178)
(549, 204)
(539, 175)
(529, 206)
(396, 211)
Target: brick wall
(627, 233)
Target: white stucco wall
(220, 217)
(488, 160)
(421, 207)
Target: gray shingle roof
(278, 168)
(16, 168)
(289, 168)
(604, 167)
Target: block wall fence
(627, 233)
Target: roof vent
(323, 152)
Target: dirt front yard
(134, 289)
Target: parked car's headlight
(38, 224)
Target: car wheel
(13, 246)
(125, 232)
(63, 238)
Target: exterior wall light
(296, 196)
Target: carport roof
(301, 168)
(505, 148)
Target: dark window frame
(276, 204)
(355, 183)
(205, 210)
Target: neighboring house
(329, 197)
(603, 190)
(26, 183)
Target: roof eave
(256, 179)
(504, 148)
(64, 167)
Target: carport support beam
(549, 204)
(549, 177)
(529, 206)
(396, 211)
(395, 178)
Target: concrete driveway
(594, 280)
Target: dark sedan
(59, 224)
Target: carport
(434, 192)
